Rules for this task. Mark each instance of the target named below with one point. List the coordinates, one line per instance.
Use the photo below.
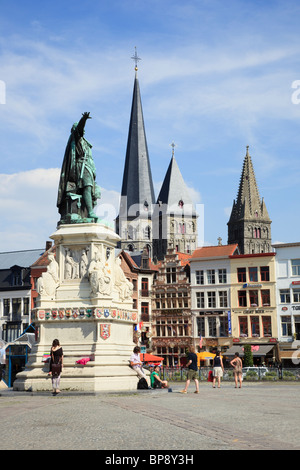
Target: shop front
(262, 353)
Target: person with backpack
(136, 365)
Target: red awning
(150, 358)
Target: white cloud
(28, 208)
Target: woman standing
(218, 369)
(56, 363)
(237, 365)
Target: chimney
(48, 245)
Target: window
(211, 297)
(265, 297)
(241, 273)
(222, 276)
(223, 302)
(286, 326)
(295, 267)
(267, 326)
(199, 277)
(253, 275)
(16, 279)
(16, 306)
(211, 279)
(257, 233)
(296, 295)
(145, 311)
(212, 326)
(200, 299)
(201, 326)
(243, 323)
(254, 326)
(253, 297)
(147, 233)
(171, 275)
(242, 298)
(264, 273)
(223, 326)
(285, 297)
(26, 306)
(6, 306)
(182, 228)
(145, 291)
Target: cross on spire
(136, 59)
(173, 147)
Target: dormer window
(181, 203)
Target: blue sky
(214, 77)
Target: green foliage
(270, 376)
(248, 356)
(251, 374)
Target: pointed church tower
(174, 217)
(134, 222)
(249, 224)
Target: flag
(200, 341)
(139, 326)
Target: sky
(214, 77)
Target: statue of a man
(77, 184)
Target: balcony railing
(145, 293)
(145, 317)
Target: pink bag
(83, 361)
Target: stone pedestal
(86, 303)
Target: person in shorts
(192, 371)
(218, 369)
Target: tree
(248, 356)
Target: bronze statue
(78, 191)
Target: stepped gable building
(249, 224)
(174, 217)
(172, 329)
(134, 222)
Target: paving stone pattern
(258, 416)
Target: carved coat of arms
(105, 331)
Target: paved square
(261, 415)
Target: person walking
(56, 364)
(237, 372)
(192, 371)
(218, 369)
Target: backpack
(142, 384)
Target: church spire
(137, 194)
(174, 218)
(249, 224)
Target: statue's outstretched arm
(81, 124)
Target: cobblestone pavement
(261, 416)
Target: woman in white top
(136, 363)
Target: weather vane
(136, 58)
